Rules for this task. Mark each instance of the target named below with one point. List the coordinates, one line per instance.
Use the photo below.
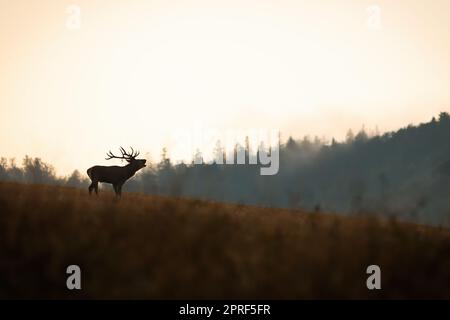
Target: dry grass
(155, 247)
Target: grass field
(154, 248)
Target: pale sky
(136, 71)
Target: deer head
(136, 164)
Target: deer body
(115, 175)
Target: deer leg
(119, 189)
(116, 189)
(93, 185)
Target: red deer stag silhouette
(115, 175)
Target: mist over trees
(403, 174)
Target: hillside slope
(156, 247)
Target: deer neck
(130, 170)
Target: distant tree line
(403, 174)
(34, 170)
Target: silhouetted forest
(403, 174)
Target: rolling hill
(156, 247)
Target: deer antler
(112, 156)
(125, 155)
(134, 154)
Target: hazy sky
(135, 71)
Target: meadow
(153, 247)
